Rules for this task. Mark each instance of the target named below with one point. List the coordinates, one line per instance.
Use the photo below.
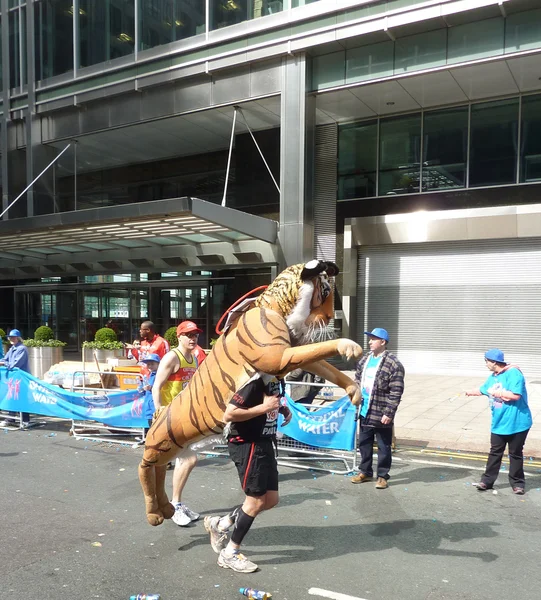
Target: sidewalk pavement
(434, 414)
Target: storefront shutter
(444, 304)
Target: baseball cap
(150, 357)
(188, 327)
(495, 354)
(379, 333)
(15, 333)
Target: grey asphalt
(430, 536)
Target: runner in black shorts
(253, 414)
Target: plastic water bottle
(145, 597)
(255, 594)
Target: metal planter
(43, 358)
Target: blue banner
(328, 426)
(21, 392)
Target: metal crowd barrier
(292, 453)
(94, 430)
(16, 420)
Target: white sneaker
(192, 514)
(5, 423)
(180, 517)
(238, 562)
(218, 539)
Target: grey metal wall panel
(125, 109)
(192, 94)
(94, 116)
(326, 149)
(445, 304)
(265, 78)
(231, 85)
(157, 102)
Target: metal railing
(94, 430)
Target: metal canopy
(179, 233)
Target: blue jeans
(384, 436)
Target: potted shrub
(104, 346)
(4, 340)
(170, 336)
(44, 351)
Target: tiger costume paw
(348, 349)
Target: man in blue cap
(380, 375)
(511, 420)
(16, 356)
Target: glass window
(530, 144)
(107, 30)
(445, 144)
(475, 40)
(421, 51)
(493, 142)
(369, 62)
(165, 21)
(399, 155)
(229, 12)
(357, 160)
(54, 37)
(328, 70)
(14, 54)
(523, 31)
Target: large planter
(43, 358)
(102, 355)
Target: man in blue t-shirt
(511, 419)
(380, 375)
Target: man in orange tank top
(175, 371)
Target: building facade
(198, 147)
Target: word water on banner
(329, 426)
(21, 392)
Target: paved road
(430, 536)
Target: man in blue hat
(16, 356)
(511, 420)
(380, 375)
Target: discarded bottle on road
(255, 594)
(146, 597)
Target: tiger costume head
(302, 295)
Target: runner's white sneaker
(218, 539)
(237, 562)
(191, 513)
(180, 517)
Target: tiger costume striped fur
(271, 335)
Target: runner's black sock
(242, 526)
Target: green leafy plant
(30, 343)
(43, 334)
(107, 345)
(3, 336)
(105, 334)
(170, 336)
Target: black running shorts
(256, 465)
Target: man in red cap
(175, 371)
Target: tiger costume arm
(285, 330)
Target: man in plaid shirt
(380, 375)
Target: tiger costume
(283, 329)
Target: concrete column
(349, 289)
(296, 163)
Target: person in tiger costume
(283, 329)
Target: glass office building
(179, 153)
